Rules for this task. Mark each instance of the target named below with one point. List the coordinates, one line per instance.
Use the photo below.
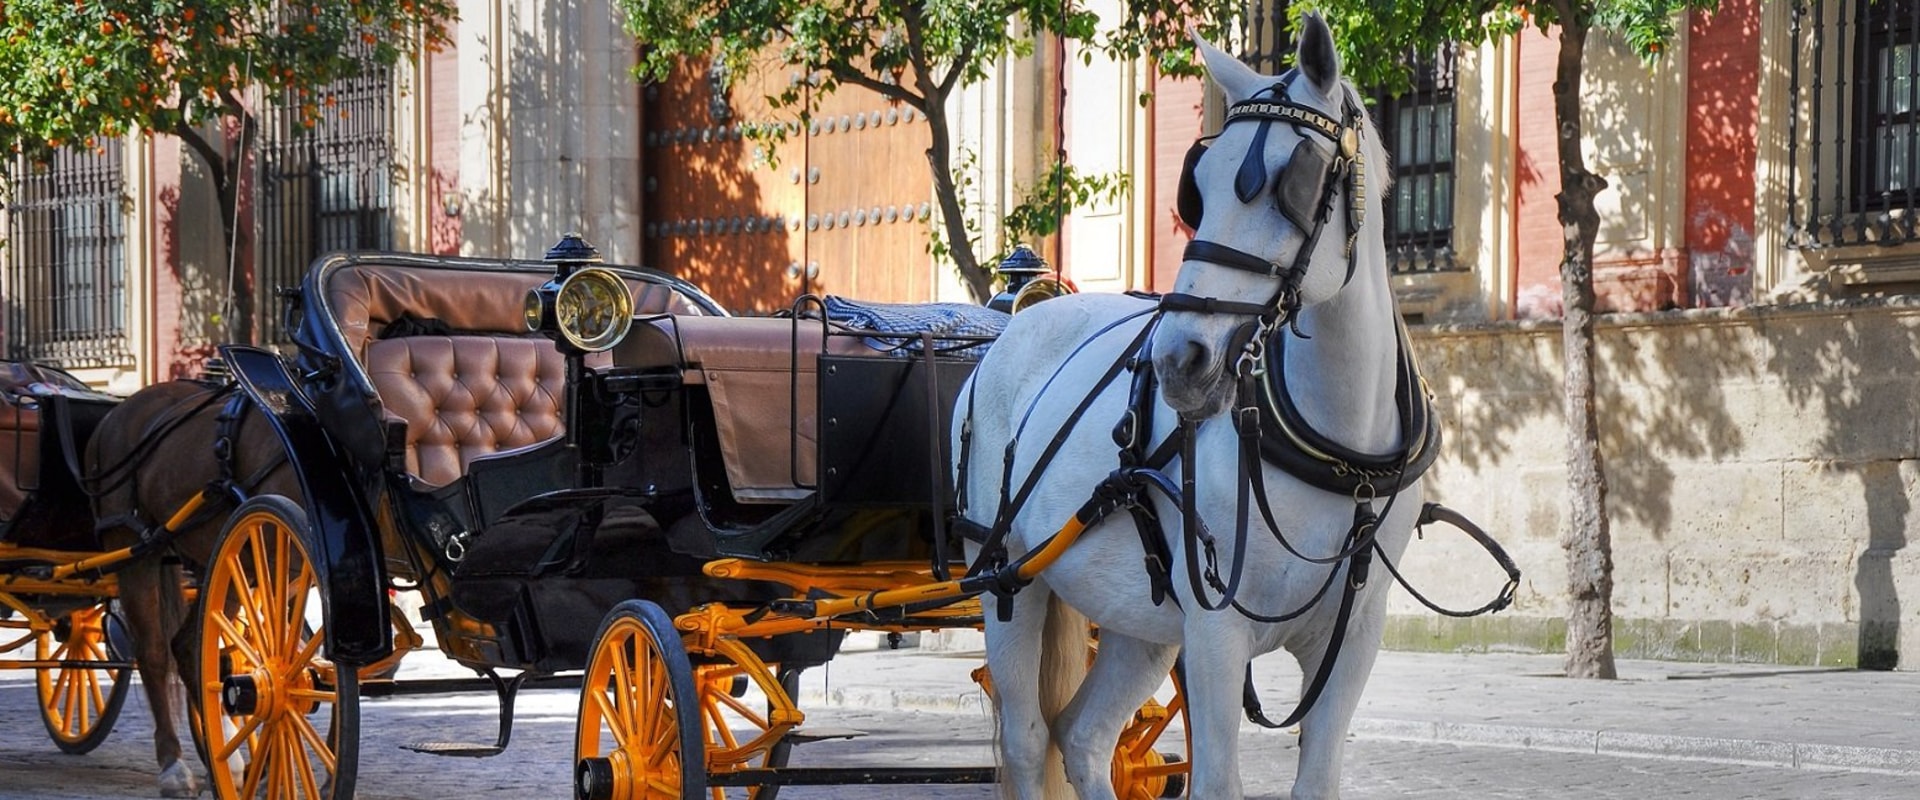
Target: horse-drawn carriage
(59, 623)
(646, 456)
(539, 446)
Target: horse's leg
(1323, 732)
(1014, 650)
(150, 598)
(1213, 682)
(1124, 675)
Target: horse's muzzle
(1192, 379)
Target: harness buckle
(456, 550)
(1126, 433)
(1252, 360)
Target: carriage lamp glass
(589, 310)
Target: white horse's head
(1282, 188)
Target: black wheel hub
(239, 697)
(593, 779)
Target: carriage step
(455, 749)
(822, 734)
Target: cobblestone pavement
(535, 766)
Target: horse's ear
(1316, 57)
(1238, 80)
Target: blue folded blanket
(910, 320)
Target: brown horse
(150, 456)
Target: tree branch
(845, 73)
(959, 68)
(216, 165)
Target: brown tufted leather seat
(464, 397)
(490, 388)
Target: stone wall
(1761, 464)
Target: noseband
(1297, 201)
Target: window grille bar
(1854, 131)
(323, 188)
(65, 260)
(1912, 144)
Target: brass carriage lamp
(1028, 280)
(583, 308)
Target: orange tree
(76, 72)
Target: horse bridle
(1345, 166)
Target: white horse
(1282, 196)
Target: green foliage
(1063, 187)
(1040, 208)
(909, 51)
(72, 71)
(1372, 35)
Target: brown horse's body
(148, 458)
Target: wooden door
(839, 206)
(720, 208)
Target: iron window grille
(1416, 128)
(326, 184)
(1854, 135)
(65, 254)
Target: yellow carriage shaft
(862, 588)
(64, 573)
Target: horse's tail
(1063, 666)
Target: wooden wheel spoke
(313, 740)
(296, 620)
(739, 706)
(248, 609)
(238, 640)
(304, 652)
(257, 765)
(281, 759)
(718, 731)
(610, 721)
(660, 746)
(73, 694)
(249, 726)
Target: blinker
(1303, 184)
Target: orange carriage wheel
(740, 730)
(1140, 770)
(81, 698)
(637, 736)
(277, 720)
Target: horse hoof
(177, 781)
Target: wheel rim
(78, 704)
(632, 726)
(277, 720)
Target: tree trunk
(940, 160)
(1587, 540)
(934, 91)
(239, 277)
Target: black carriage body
(851, 458)
(46, 419)
(520, 547)
(518, 551)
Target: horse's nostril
(1191, 358)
